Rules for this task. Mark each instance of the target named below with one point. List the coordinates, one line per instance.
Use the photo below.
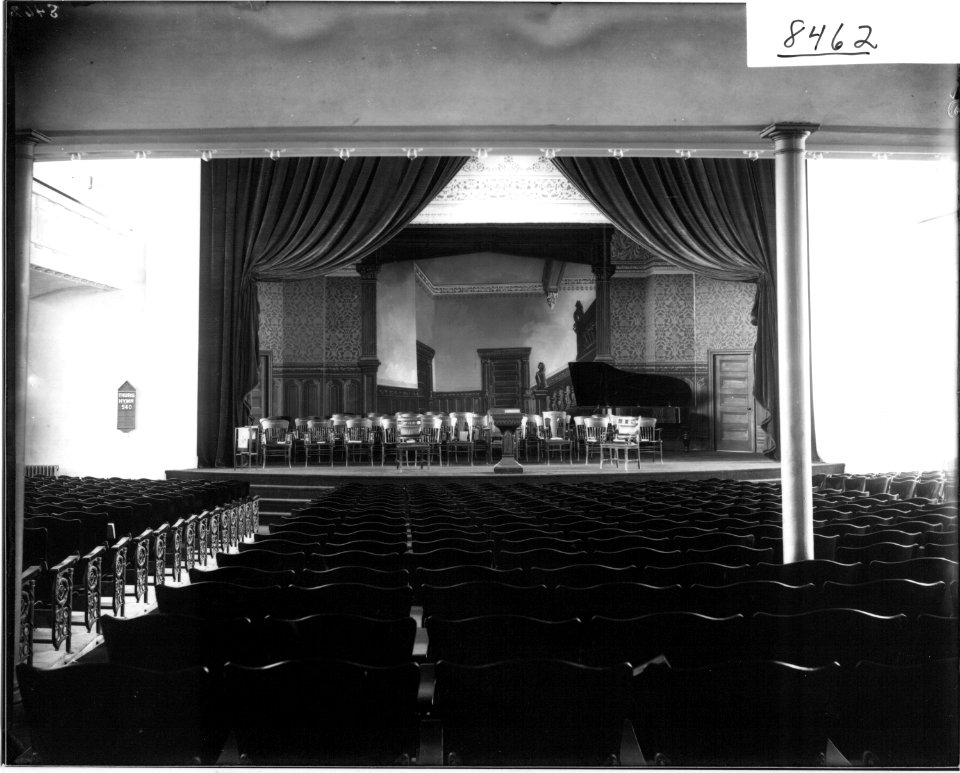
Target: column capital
(31, 137)
(788, 130)
(603, 271)
(368, 271)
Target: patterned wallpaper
(723, 316)
(671, 299)
(628, 328)
(270, 296)
(343, 319)
(301, 321)
(676, 318)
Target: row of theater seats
(532, 711)
(620, 599)
(528, 711)
(85, 538)
(931, 484)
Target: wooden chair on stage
(318, 440)
(276, 440)
(556, 438)
(460, 435)
(648, 438)
(411, 440)
(624, 441)
(594, 435)
(358, 440)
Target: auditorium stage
(696, 465)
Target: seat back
(625, 428)
(370, 640)
(687, 639)
(111, 714)
(595, 429)
(737, 713)
(171, 642)
(324, 712)
(491, 638)
(821, 636)
(274, 430)
(555, 424)
(531, 712)
(647, 430)
(409, 427)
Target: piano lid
(599, 383)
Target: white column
(793, 337)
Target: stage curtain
(293, 218)
(715, 217)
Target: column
(603, 271)
(793, 337)
(16, 297)
(368, 362)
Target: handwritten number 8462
(797, 26)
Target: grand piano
(598, 386)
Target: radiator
(41, 470)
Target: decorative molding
(71, 278)
(575, 284)
(634, 259)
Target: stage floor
(695, 465)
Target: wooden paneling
(460, 402)
(392, 399)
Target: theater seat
(109, 714)
(532, 712)
(323, 712)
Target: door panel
(733, 420)
(506, 376)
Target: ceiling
(321, 78)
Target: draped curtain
(715, 217)
(292, 218)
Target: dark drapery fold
(715, 217)
(292, 218)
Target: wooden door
(506, 376)
(734, 427)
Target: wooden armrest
(427, 685)
(68, 563)
(123, 542)
(631, 755)
(430, 752)
(99, 550)
(30, 573)
(145, 534)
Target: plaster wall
(84, 343)
(397, 325)
(426, 315)
(467, 323)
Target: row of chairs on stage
(425, 438)
(106, 538)
(525, 711)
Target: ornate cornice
(516, 183)
(575, 284)
(73, 279)
(635, 260)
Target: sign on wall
(126, 407)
